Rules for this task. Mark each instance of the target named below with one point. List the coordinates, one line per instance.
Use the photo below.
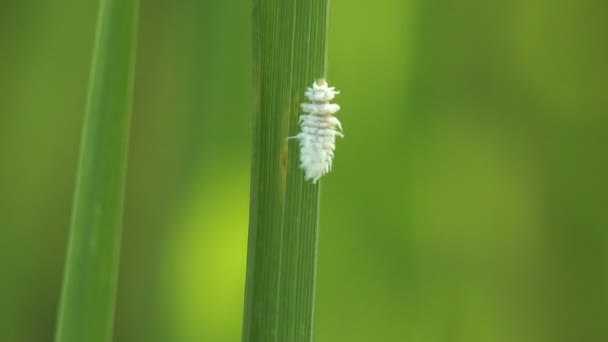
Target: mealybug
(319, 130)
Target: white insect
(319, 130)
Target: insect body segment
(319, 130)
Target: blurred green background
(468, 201)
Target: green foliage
(88, 296)
(467, 201)
(289, 41)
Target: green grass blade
(289, 39)
(86, 310)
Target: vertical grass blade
(289, 43)
(88, 296)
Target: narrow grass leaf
(289, 39)
(86, 310)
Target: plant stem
(289, 43)
(86, 310)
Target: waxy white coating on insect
(319, 130)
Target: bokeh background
(468, 202)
